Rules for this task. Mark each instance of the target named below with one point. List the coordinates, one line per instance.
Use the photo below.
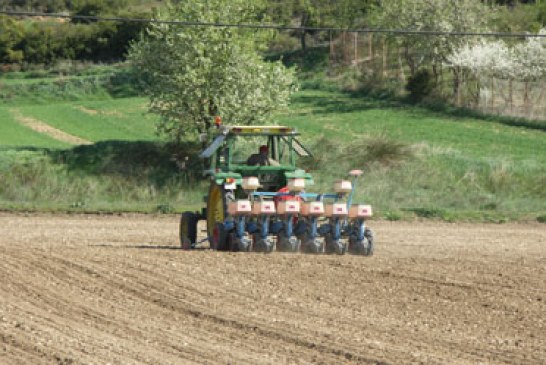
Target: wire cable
(277, 27)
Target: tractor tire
(368, 233)
(287, 244)
(312, 245)
(364, 247)
(239, 245)
(334, 246)
(188, 230)
(264, 245)
(219, 240)
(216, 209)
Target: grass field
(451, 167)
(13, 134)
(119, 119)
(417, 162)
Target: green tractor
(257, 202)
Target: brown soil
(116, 289)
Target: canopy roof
(258, 130)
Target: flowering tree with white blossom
(524, 62)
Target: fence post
(459, 82)
(344, 47)
(511, 94)
(492, 89)
(331, 58)
(384, 46)
(526, 97)
(370, 46)
(356, 49)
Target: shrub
(420, 85)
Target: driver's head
(264, 150)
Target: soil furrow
(78, 289)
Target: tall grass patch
(98, 179)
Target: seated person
(261, 158)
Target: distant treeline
(48, 40)
(78, 6)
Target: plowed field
(90, 289)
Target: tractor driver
(262, 158)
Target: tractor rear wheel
(188, 230)
(219, 240)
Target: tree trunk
(302, 41)
(303, 32)
(456, 85)
(409, 61)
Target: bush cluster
(47, 41)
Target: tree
(318, 13)
(525, 61)
(11, 33)
(430, 15)
(194, 73)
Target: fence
(380, 61)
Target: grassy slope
(339, 115)
(119, 119)
(13, 134)
(459, 167)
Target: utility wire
(273, 26)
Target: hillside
(104, 155)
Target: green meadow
(418, 162)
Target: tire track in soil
(138, 292)
(100, 322)
(122, 304)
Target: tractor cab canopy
(229, 152)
